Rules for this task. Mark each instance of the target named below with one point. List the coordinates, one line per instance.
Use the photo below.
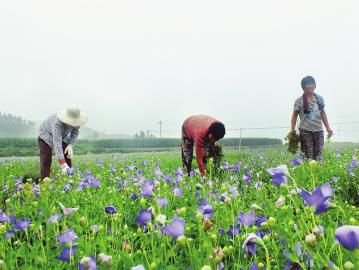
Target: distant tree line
(11, 125)
(28, 146)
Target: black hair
(217, 130)
(308, 80)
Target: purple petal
(348, 236)
(176, 229)
(66, 253)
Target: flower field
(260, 210)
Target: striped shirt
(196, 128)
(54, 132)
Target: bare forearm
(293, 121)
(325, 120)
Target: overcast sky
(129, 64)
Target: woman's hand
(330, 132)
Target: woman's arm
(326, 122)
(293, 122)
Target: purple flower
(233, 231)
(12, 219)
(157, 172)
(247, 178)
(320, 198)
(223, 197)
(67, 187)
(54, 218)
(178, 172)
(68, 236)
(233, 190)
(67, 211)
(206, 210)
(9, 233)
(260, 219)
(3, 217)
(22, 225)
(133, 196)
(147, 189)
(247, 219)
(254, 266)
(295, 162)
(88, 263)
(279, 175)
(70, 171)
(162, 202)
(178, 192)
(250, 245)
(66, 253)
(348, 236)
(352, 166)
(176, 229)
(110, 209)
(143, 217)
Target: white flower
(279, 203)
(105, 259)
(256, 207)
(295, 191)
(86, 262)
(161, 219)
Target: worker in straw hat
(59, 132)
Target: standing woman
(59, 132)
(310, 108)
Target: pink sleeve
(199, 157)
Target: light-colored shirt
(311, 121)
(54, 132)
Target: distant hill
(12, 126)
(15, 126)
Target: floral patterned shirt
(54, 132)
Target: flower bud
(272, 221)
(348, 265)
(2, 228)
(83, 221)
(181, 240)
(311, 239)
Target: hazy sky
(129, 64)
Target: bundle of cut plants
(293, 141)
(216, 153)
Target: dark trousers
(312, 143)
(46, 158)
(187, 153)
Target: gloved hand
(69, 151)
(64, 167)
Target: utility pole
(160, 123)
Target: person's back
(196, 127)
(200, 130)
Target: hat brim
(78, 122)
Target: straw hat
(72, 116)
